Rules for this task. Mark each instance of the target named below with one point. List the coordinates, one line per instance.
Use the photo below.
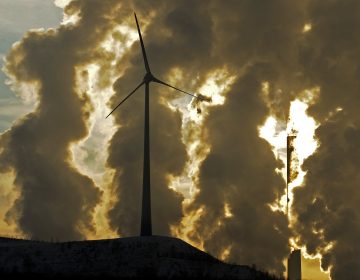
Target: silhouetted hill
(122, 258)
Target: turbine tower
(146, 228)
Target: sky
(32, 15)
(271, 68)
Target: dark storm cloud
(327, 206)
(176, 37)
(56, 200)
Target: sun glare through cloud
(193, 116)
(194, 137)
(88, 158)
(307, 27)
(301, 127)
(213, 124)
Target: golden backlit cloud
(37, 147)
(301, 127)
(213, 164)
(8, 196)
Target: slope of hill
(122, 258)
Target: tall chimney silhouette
(289, 152)
(294, 265)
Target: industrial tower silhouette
(146, 227)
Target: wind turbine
(146, 228)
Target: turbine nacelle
(149, 77)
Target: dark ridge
(123, 258)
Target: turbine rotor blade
(131, 93)
(147, 67)
(166, 84)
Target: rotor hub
(148, 77)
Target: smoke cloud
(327, 206)
(256, 41)
(169, 46)
(237, 180)
(56, 201)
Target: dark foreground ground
(123, 258)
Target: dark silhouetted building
(294, 265)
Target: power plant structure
(294, 260)
(294, 265)
(146, 226)
(289, 174)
